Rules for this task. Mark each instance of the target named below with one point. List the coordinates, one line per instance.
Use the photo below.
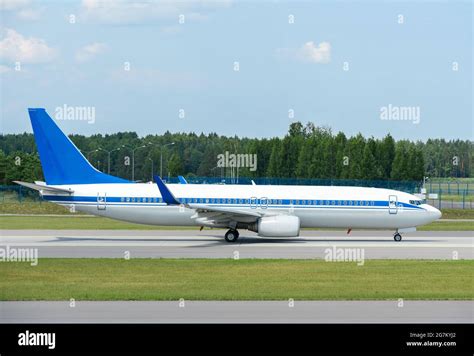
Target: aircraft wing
(218, 216)
(207, 214)
(209, 208)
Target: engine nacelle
(277, 226)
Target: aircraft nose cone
(434, 213)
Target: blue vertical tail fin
(62, 162)
(182, 180)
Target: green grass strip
(228, 279)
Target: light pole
(425, 179)
(213, 171)
(161, 157)
(108, 153)
(88, 153)
(151, 168)
(133, 156)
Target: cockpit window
(417, 202)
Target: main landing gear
(397, 237)
(232, 235)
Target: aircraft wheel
(231, 235)
(397, 237)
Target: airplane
(272, 211)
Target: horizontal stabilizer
(43, 188)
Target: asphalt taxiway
(239, 312)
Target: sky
(240, 68)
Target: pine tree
(275, 160)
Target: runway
(239, 312)
(210, 244)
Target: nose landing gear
(397, 237)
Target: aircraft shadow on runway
(242, 240)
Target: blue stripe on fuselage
(295, 203)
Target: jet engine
(277, 226)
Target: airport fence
(457, 187)
(404, 186)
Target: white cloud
(23, 9)
(16, 47)
(316, 54)
(88, 52)
(13, 4)
(29, 14)
(137, 12)
(309, 52)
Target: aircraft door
(253, 202)
(101, 201)
(392, 204)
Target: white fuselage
(316, 206)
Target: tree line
(306, 151)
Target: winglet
(182, 180)
(166, 194)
